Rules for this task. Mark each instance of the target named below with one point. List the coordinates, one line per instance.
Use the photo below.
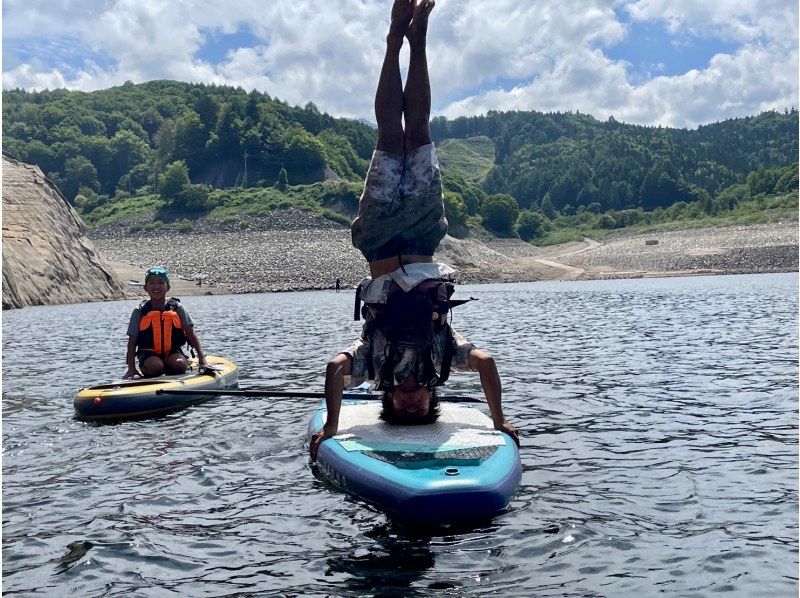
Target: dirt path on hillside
(561, 251)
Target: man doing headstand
(399, 225)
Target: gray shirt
(136, 316)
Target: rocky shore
(730, 250)
(293, 250)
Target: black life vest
(411, 320)
(160, 332)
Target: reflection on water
(659, 452)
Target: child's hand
(131, 373)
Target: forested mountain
(121, 137)
(575, 160)
(170, 144)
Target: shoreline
(291, 250)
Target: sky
(677, 63)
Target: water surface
(659, 422)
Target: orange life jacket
(160, 332)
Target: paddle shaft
(300, 395)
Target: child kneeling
(158, 328)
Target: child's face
(156, 287)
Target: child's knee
(176, 363)
(152, 366)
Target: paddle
(300, 395)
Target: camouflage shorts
(401, 210)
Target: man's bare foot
(402, 12)
(418, 28)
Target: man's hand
(316, 440)
(509, 429)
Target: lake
(659, 450)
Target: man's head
(410, 404)
(156, 282)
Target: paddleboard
(121, 399)
(456, 470)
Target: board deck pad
(458, 428)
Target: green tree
(138, 177)
(302, 151)
(227, 138)
(594, 207)
(659, 188)
(341, 156)
(456, 213)
(732, 196)
(194, 198)
(588, 195)
(207, 107)
(473, 197)
(99, 151)
(531, 224)
(164, 141)
(127, 151)
(78, 172)
(548, 209)
(788, 181)
(174, 180)
(283, 179)
(190, 139)
(500, 212)
(606, 221)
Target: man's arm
(338, 367)
(483, 363)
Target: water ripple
(659, 453)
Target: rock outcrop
(47, 258)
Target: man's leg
(376, 229)
(389, 97)
(420, 222)
(417, 94)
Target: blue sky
(660, 62)
(217, 44)
(651, 50)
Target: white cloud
(27, 76)
(482, 42)
(740, 20)
(748, 82)
(483, 54)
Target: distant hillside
(183, 149)
(472, 158)
(121, 139)
(575, 160)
